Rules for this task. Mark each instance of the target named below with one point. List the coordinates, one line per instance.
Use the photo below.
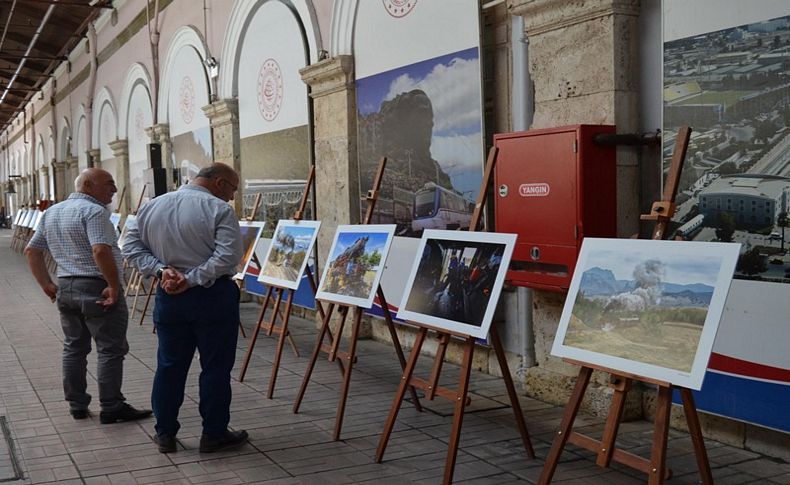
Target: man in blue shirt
(190, 239)
(79, 235)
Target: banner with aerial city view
(731, 84)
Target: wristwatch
(159, 272)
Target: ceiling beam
(14, 56)
(70, 3)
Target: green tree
(725, 227)
(751, 263)
(783, 221)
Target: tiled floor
(287, 448)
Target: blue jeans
(206, 319)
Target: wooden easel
(136, 279)
(621, 382)
(350, 356)
(271, 326)
(458, 396)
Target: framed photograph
(131, 221)
(456, 279)
(18, 217)
(355, 264)
(288, 253)
(37, 220)
(27, 219)
(115, 220)
(644, 307)
(250, 234)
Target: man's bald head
(220, 179)
(97, 183)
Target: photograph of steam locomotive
(456, 279)
(638, 306)
(355, 264)
(289, 252)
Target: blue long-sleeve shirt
(190, 230)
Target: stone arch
(186, 36)
(103, 100)
(240, 17)
(64, 133)
(80, 141)
(344, 14)
(136, 75)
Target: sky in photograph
(302, 235)
(680, 269)
(345, 239)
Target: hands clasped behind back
(173, 282)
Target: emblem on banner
(270, 89)
(187, 100)
(399, 8)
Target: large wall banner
(273, 107)
(726, 74)
(189, 127)
(418, 87)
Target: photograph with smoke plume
(250, 234)
(456, 280)
(356, 261)
(288, 253)
(649, 308)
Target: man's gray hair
(215, 170)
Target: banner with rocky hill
(419, 94)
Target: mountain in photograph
(602, 282)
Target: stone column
(24, 192)
(582, 59)
(94, 158)
(161, 134)
(72, 170)
(223, 115)
(120, 150)
(43, 182)
(331, 84)
(59, 170)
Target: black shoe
(165, 443)
(230, 440)
(79, 413)
(125, 413)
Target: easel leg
(339, 336)
(458, 416)
(568, 417)
(316, 352)
(280, 342)
(612, 425)
(658, 456)
(140, 283)
(511, 390)
(320, 308)
(148, 299)
(396, 343)
(404, 383)
(352, 352)
(255, 335)
(695, 430)
(438, 361)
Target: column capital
(71, 162)
(329, 76)
(541, 16)
(119, 148)
(159, 133)
(59, 166)
(44, 170)
(222, 112)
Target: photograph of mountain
(289, 253)
(652, 303)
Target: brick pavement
(287, 448)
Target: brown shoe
(230, 440)
(165, 443)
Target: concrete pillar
(335, 137)
(72, 170)
(223, 115)
(43, 182)
(120, 150)
(59, 170)
(94, 158)
(596, 82)
(161, 134)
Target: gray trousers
(82, 320)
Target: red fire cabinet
(553, 187)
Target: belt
(81, 278)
